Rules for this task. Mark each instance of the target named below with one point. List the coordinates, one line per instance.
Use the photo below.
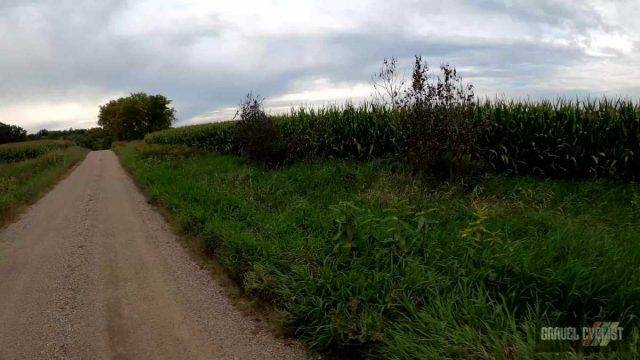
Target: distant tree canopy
(132, 117)
(12, 133)
(94, 139)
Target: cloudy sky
(61, 59)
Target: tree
(132, 117)
(94, 138)
(389, 83)
(11, 133)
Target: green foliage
(94, 139)
(365, 260)
(29, 149)
(442, 138)
(136, 115)
(563, 139)
(362, 132)
(257, 135)
(11, 133)
(24, 181)
(219, 137)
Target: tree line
(126, 118)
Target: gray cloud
(71, 55)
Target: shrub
(441, 136)
(257, 135)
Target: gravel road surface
(92, 271)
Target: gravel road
(92, 271)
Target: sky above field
(61, 59)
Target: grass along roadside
(364, 259)
(23, 182)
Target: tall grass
(22, 182)
(364, 259)
(13, 152)
(562, 139)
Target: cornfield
(219, 137)
(563, 139)
(574, 139)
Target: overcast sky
(61, 59)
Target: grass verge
(23, 182)
(363, 259)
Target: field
(366, 258)
(562, 139)
(13, 152)
(29, 169)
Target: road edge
(195, 247)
